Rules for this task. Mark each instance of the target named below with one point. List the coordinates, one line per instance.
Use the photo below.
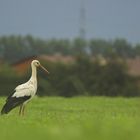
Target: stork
(24, 92)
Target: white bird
(24, 92)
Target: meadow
(77, 118)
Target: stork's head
(36, 63)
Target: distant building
(133, 66)
(23, 65)
(57, 58)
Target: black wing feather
(13, 102)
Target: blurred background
(90, 47)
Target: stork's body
(24, 92)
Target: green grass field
(79, 118)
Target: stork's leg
(20, 109)
(23, 110)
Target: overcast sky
(106, 19)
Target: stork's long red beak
(44, 69)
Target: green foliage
(79, 118)
(9, 79)
(13, 48)
(85, 77)
(101, 47)
(82, 77)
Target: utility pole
(82, 32)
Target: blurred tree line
(17, 47)
(82, 77)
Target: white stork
(24, 92)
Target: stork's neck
(34, 73)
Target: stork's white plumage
(24, 92)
